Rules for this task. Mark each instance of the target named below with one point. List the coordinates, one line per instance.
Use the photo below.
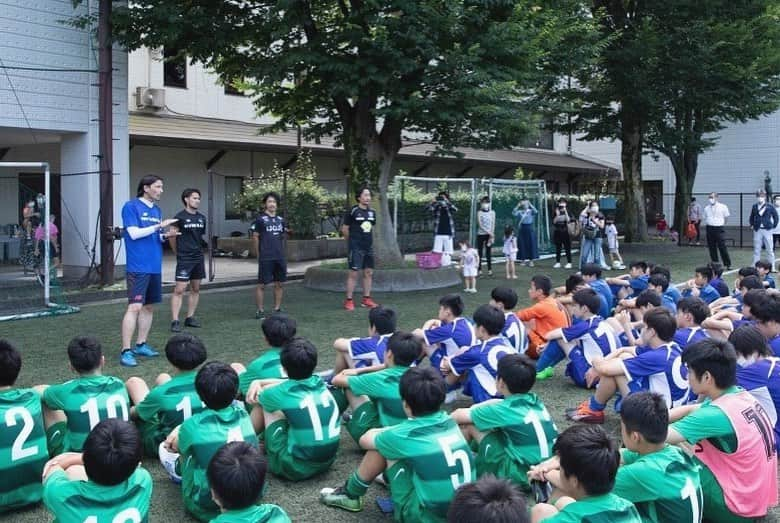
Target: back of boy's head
(405, 347)
(590, 455)
(505, 296)
(85, 354)
(591, 269)
(573, 282)
(542, 283)
(696, 307)
(662, 322)
(754, 297)
(749, 342)
(659, 280)
(279, 328)
(236, 474)
(518, 373)
(217, 384)
(747, 271)
(717, 269)
(383, 319)
(763, 264)
(112, 452)
(647, 414)
(423, 389)
(749, 283)
(588, 298)
(715, 356)
(489, 318)
(454, 303)
(488, 500)
(648, 297)
(660, 269)
(10, 363)
(704, 270)
(185, 351)
(639, 264)
(299, 358)
(767, 309)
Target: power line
(47, 69)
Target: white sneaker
(530, 263)
(451, 397)
(168, 460)
(568, 266)
(557, 265)
(466, 290)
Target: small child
(764, 268)
(470, 264)
(352, 353)
(236, 474)
(489, 499)
(505, 299)
(612, 244)
(662, 227)
(510, 252)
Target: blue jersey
(688, 335)
(638, 284)
(769, 281)
(514, 331)
(659, 370)
(707, 293)
(602, 287)
(270, 231)
(481, 361)
(451, 337)
(144, 254)
(368, 351)
(674, 293)
(668, 303)
(594, 337)
(762, 380)
(719, 285)
(774, 344)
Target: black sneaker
(192, 321)
(175, 326)
(260, 315)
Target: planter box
(297, 250)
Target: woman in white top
(486, 229)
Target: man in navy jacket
(763, 219)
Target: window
(174, 69)
(233, 187)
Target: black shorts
(190, 270)
(144, 288)
(272, 271)
(359, 259)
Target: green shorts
(407, 507)
(281, 462)
(55, 438)
(493, 458)
(715, 508)
(364, 418)
(151, 437)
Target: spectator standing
(715, 215)
(593, 223)
(486, 231)
(443, 226)
(776, 231)
(763, 220)
(561, 237)
(694, 217)
(527, 250)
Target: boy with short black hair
(425, 458)
(186, 453)
(505, 299)
(626, 330)
(699, 286)
(513, 433)
(591, 273)
(584, 471)
(543, 316)
(449, 333)
(104, 482)
(236, 474)
(173, 399)
(764, 268)
(767, 315)
(631, 284)
(73, 408)
(659, 284)
(366, 352)
(717, 279)
(278, 329)
(488, 499)
(691, 312)
(673, 292)
(20, 409)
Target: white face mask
(761, 200)
(463, 248)
(777, 203)
(594, 209)
(485, 207)
(712, 201)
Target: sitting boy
(764, 269)
(476, 367)
(488, 499)
(236, 474)
(660, 479)
(374, 396)
(723, 322)
(105, 482)
(717, 279)
(591, 273)
(513, 433)
(699, 286)
(583, 473)
(449, 334)
(631, 284)
(425, 458)
(505, 299)
(301, 417)
(278, 329)
(626, 329)
(20, 409)
(186, 453)
(767, 315)
(654, 365)
(660, 285)
(582, 342)
(366, 352)
(733, 436)
(673, 292)
(543, 316)
(691, 312)
(173, 399)
(73, 408)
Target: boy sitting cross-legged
(186, 452)
(173, 399)
(374, 396)
(505, 299)
(73, 408)
(513, 433)
(105, 482)
(301, 417)
(366, 352)
(654, 365)
(543, 316)
(449, 334)
(476, 367)
(20, 409)
(425, 458)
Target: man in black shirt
(358, 231)
(443, 226)
(186, 242)
(268, 234)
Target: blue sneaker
(127, 359)
(145, 350)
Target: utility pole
(106, 139)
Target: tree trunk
(685, 168)
(633, 192)
(386, 250)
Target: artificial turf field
(231, 333)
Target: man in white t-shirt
(715, 214)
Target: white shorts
(442, 243)
(469, 272)
(510, 257)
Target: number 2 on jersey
(326, 400)
(17, 449)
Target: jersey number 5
(455, 456)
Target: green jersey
(433, 450)
(23, 451)
(87, 502)
(168, 405)
(265, 366)
(254, 514)
(87, 401)
(709, 422)
(383, 388)
(312, 414)
(200, 437)
(663, 485)
(522, 424)
(607, 508)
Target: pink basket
(429, 260)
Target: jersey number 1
(326, 400)
(128, 515)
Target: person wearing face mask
(527, 250)
(561, 236)
(694, 217)
(592, 223)
(763, 220)
(443, 226)
(715, 214)
(486, 228)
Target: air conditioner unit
(149, 98)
